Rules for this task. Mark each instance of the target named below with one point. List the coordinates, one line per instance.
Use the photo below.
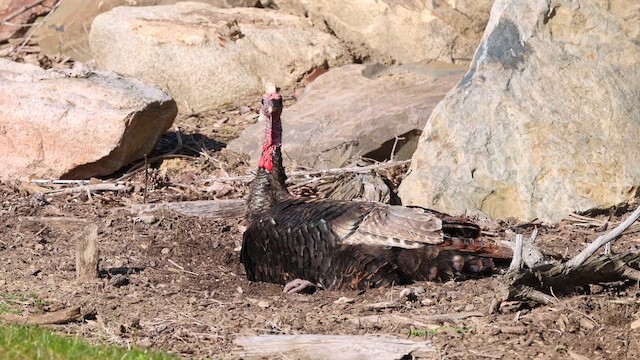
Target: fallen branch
(540, 280)
(602, 240)
(213, 209)
(559, 278)
(516, 261)
(337, 347)
(88, 188)
(335, 171)
(57, 317)
(60, 182)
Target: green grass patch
(15, 303)
(24, 342)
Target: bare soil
(175, 283)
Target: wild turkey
(349, 244)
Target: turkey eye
(262, 101)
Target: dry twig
(579, 271)
(602, 240)
(336, 171)
(90, 187)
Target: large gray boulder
(66, 30)
(75, 124)
(405, 31)
(546, 121)
(357, 110)
(206, 56)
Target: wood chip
(517, 330)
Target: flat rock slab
(406, 31)
(74, 124)
(545, 122)
(357, 110)
(206, 56)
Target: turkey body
(359, 245)
(349, 244)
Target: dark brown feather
(297, 238)
(349, 244)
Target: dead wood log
(603, 240)
(87, 255)
(337, 347)
(57, 317)
(558, 278)
(542, 282)
(212, 209)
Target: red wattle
(266, 160)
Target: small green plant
(22, 342)
(434, 331)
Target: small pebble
(147, 219)
(427, 302)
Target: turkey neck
(268, 187)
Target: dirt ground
(175, 283)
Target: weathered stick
(90, 187)
(87, 255)
(527, 285)
(60, 182)
(57, 317)
(354, 169)
(516, 261)
(531, 255)
(212, 209)
(602, 240)
(337, 347)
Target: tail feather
(477, 247)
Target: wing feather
(396, 226)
